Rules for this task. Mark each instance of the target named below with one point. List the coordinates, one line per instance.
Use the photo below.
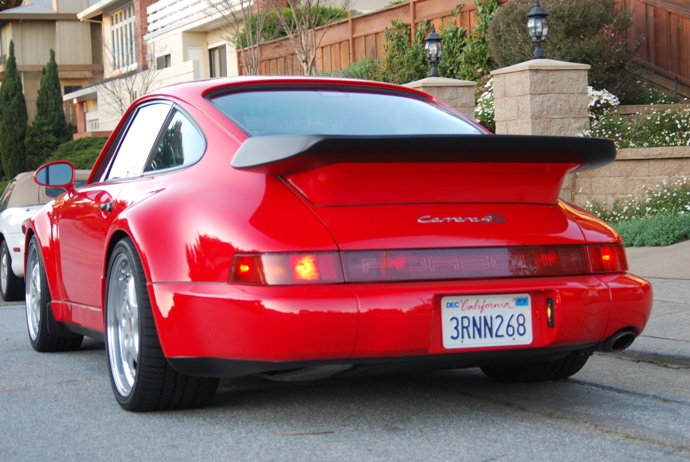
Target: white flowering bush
(600, 102)
(484, 107)
(660, 127)
(667, 127)
(667, 198)
(662, 217)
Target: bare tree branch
(307, 28)
(242, 22)
(121, 88)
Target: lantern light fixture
(433, 51)
(538, 28)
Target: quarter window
(180, 144)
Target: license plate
(486, 321)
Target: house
(149, 44)
(36, 27)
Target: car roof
(27, 192)
(203, 87)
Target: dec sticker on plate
(486, 321)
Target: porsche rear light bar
(286, 268)
(426, 264)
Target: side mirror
(58, 174)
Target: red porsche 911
(300, 228)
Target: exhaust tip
(618, 341)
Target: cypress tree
(49, 129)
(13, 119)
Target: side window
(180, 143)
(134, 149)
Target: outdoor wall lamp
(433, 51)
(538, 28)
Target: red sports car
(301, 228)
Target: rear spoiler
(281, 155)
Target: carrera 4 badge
(492, 219)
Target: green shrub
(659, 230)
(81, 152)
(368, 69)
(465, 56)
(403, 62)
(474, 58)
(581, 31)
(662, 217)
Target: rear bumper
(219, 329)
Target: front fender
(40, 225)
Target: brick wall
(141, 24)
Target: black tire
(539, 371)
(141, 378)
(11, 286)
(37, 302)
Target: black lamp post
(433, 51)
(538, 28)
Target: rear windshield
(338, 112)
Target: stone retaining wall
(633, 171)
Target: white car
(21, 199)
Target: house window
(3, 53)
(218, 62)
(71, 88)
(123, 40)
(163, 61)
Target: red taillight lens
(489, 262)
(609, 258)
(427, 264)
(286, 269)
(247, 269)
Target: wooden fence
(362, 36)
(661, 35)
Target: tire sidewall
(126, 248)
(39, 343)
(7, 262)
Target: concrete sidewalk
(666, 338)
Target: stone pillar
(458, 94)
(541, 97)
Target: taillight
(427, 264)
(608, 258)
(286, 269)
(474, 263)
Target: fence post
(458, 94)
